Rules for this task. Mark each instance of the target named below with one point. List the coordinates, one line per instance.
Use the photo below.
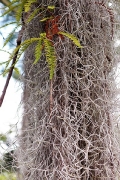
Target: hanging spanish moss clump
(67, 130)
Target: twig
(12, 65)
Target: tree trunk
(69, 134)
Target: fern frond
(9, 37)
(51, 7)
(7, 24)
(13, 6)
(16, 72)
(50, 56)
(10, 8)
(71, 37)
(13, 54)
(30, 41)
(4, 51)
(20, 10)
(5, 72)
(46, 18)
(43, 35)
(28, 4)
(38, 50)
(5, 62)
(32, 15)
(24, 45)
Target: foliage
(27, 5)
(71, 37)
(50, 56)
(3, 137)
(8, 160)
(8, 176)
(43, 42)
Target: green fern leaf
(4, 63)
(38, 50)
(11, 57)
(7, 63)
(19, 12)
(50, 56)
(11, 34)
(13, 53)
(51, 7)
(22, 48)
(29, 41)
(45, 19)
(7, 24)
(28, 4)
(10, 8)
(5, 72)
(4, 51)
(71, 37)
(9, 37)
(43, 35)
(32, 15)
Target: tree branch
(12, 65)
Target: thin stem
(12, 65)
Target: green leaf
(10, 8)
(32, 15)
(71, 37)
(5, 72)
(3, 138)
(19, 11)
(45, 19)
(9, 37)
(8, 176)
(43, 35)
(4, 62)
(7, 24)
(51, 7)
(28, 4)
(50, 56)
(38, 50)
(12, 55)
(24, 45)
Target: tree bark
(75, 140)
